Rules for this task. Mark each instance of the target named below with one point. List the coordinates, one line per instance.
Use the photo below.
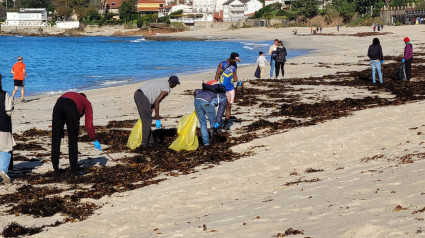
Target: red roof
(114, 3)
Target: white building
(235, 10)
(166, 10)
(27, 17)
(204, 7)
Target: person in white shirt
(262, 61)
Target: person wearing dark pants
(68, 110)
(280, 59)
(145, 113)
(148, 97)
(408, 58)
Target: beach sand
(347, 177)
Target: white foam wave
(138, 40)
(248, 47)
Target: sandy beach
(309, 171)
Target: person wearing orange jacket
(19, 75)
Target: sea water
(58, 64)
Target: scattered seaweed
(15, 230)
(30, 146)
(300, 180)
(311, 170)
(290, 231)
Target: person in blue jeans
(211, 95)
(6, 138)
(272, 53)
(376, 59)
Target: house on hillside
(113, 6)
(149, 6)
(205, 8)
(27, 17)
(166, 10)
(235, 10)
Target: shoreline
(345, 177)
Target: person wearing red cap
(408, 58)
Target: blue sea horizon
(58, 64)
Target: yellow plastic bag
(187, 139)
(135, 138)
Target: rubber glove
(403, 61)
(216, 125)
(158, 124)
(97, 145)
(239, 83)
(382, 62)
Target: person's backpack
(281, 55)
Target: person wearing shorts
(19, 75)
(226, 74)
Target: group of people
(71, 106)
(277, 53)
(377, 59)
(379, 27)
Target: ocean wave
(93, 76)
(115, 81)
(248, 47)
(138, 40)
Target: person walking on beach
(148, 97)
(374, 28)
(376, 59)
(261, 61)
(211, 95)
(280, 59)
(6, 139)
(68, 110)
(408, 57)
(19, 76)
(226, 74)
(337, 28)
(272, 53)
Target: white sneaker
(4, 176)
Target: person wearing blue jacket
(211, 95)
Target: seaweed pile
(282, 108)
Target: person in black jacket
(212, 94)
(280, 59)
(376, 59)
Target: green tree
(127, 8)
(397, 3)
(347, 10)
(93, 14)
(307, 8)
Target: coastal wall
(30, 30)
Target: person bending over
(68, 110)
(148, 97)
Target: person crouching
(211, 95)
